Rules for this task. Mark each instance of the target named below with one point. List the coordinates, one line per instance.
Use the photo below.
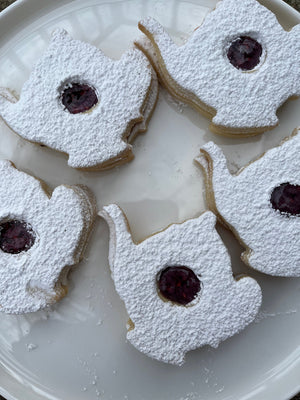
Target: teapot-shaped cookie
(237, 68)
(260, 204)
(80, 102)
(178, 287)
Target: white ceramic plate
(78, 349)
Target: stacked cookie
(177, 285)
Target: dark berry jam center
(16, 236)
(78, 98)
(244, 53)
(178, 284)
(286, 199)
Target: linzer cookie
(178, 287)
(237, 68)
(41, 236)
(260, 204)
(80, 102)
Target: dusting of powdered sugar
(61, 223)
(94, 138)
(201, 67)
(159, 328)
(243, 201)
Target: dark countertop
(5, 3)
(293, 3)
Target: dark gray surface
(294, 3)
(4, 4)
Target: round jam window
(286, 199)
(244, 53)
(178, 284)
(78, 98)
(16, 236)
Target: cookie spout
(158, 36)
(120, 236)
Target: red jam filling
(244, 53)
(78, 98)
(178, 284)
(16, 236)
(286, 199)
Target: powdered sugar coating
(33, 279)
(98, 137)
(163, 330)
(243, 202)
(201, 70)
